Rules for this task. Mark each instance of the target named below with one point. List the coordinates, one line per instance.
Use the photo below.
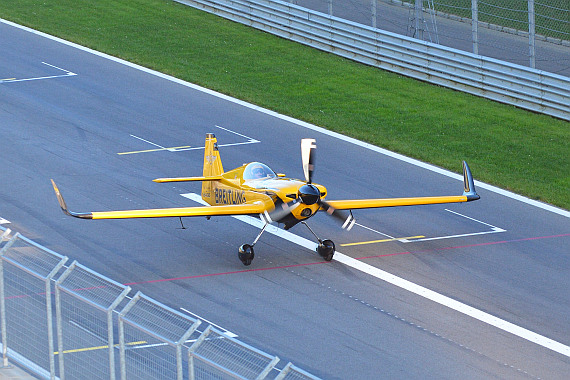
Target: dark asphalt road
(500, 256)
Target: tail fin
(212, 161)
(212, 166)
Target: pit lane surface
(67, 114)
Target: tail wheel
(326, 250)
(246, 254)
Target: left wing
(186, 179)
(257, 207)
(469, 194)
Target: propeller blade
(346, 218)
(308, 147)
(280, 211)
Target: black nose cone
(309, 194)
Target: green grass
(517, 150)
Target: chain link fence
(152, 339)
(85, 302)
(534, 33)
(102, 333)
(26, 275)
(214, 355)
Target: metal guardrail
(99, 339)
(490, 78)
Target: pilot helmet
(257, 171)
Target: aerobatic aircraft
(255, 189)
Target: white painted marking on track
(3, 221)
(184, 148)
(239, 134)
(373, 230)
(219, 145)
(151, 143)
(250, 140)
(67, 74)
(493, 230)
(473, 219)
(295, 121)
(409, 286)
(226, 331)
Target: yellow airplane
(255, 189)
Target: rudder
(212, 166)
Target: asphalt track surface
(470, 291)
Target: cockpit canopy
(257, 170)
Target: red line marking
(224, 273)
(314, 263)
(465, 246)
(324, 262)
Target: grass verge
(517, 150)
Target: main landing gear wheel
(326, 250)
(246, 254)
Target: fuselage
(239, 186)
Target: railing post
(475, 26)
(419, 20)
(374, 12)
(5, 363)
(531, 33)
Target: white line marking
(226, 331)
(239, 134)
(151, 143)
(250, 141)
(219, 145)
(59, 68)
(410, 286)
(494, 230)
(373, 230)
(31, 79)
(473, 219)
(67, 74)
(3, 221)
(295, 121)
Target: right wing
(257, 207)
(469, 194)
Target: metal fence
(501, 81)
(470, 25)
(102, 333)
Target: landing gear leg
(325, 248)
(245, 252)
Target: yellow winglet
(82, 215)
